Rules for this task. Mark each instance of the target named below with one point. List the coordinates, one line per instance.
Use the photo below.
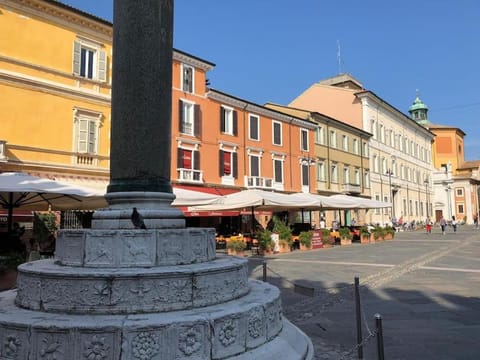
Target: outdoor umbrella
(184, 197)
(27, 192)
(353, 202)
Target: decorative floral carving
(144, 346)
(228, 333)
(51, 349)
(189, 341)
(96, 348)
(255, 325)
(12, 346)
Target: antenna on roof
(339, 57)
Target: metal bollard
(378, 322)
(264, 271)
(359, 318)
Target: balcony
(190, 175)
(351, 188)
(257, 182)
(86, 160)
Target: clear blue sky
(272, 50)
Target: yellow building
(55, 81)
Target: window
(373, 127)
(377, 197)
(86, 125)
(384, 166)
(375, 163)
(254, 165)
(320, 135)
(89, 61)
(277, 133)
(321, 171)
(228, 121)
(404, 207)
(253, 127)
(382, 134)
(357, 177)
(459, 192)
(410, 207)
(334, 174)
(367, 179)
(304, 139)
(278, 169)
(188, 165)
(228, 164)
(305, 174)
(187, 78)
(416, 207)
(400, 143)
(189, 118)
(333, 139)
(365, 149)
(460, 209)
(346, 175)
(392, 139)
(355, 146)
(345, 142)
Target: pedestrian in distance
(443, 224)
(454, 224)
(428, 226)
(475, 221)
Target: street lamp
(426, 182)
(389, 173)
(448, 189)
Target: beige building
(341, 159)
(400, 149)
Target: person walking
(443, 224)
(428, 226)
(475, 221)
(454, 224)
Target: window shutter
(254, 166)
(82, 136)
(235, 123)
(180, 116)
(220, 163)
(197, 121)
(278, 171)
(179, 158)
(254, 128)
(102, 66)
(305, 179)
(235, 165)
(222, 120)
(196, 160)
(76, 57)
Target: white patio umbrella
(184, 197)
(27, 192)
(353, 202)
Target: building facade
(400, 149)
(55, 110)
(456, 182)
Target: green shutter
(76, 57)
(102, 66)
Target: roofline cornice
(258, 109)
(192, 61)
(66, 16)
(377, 100)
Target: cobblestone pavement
(426, 282)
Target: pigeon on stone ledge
(137, 219)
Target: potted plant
(265, 243)
(284, 233)
(345, 236)
(305, 238)
(378, 233)
(327, 239)
(389, 232)
(236, 247)
(364, 235)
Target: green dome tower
(419, 111)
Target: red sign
(317, 239)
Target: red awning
(18, 216)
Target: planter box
(366, 239)
(304, 248)
(345, 241)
